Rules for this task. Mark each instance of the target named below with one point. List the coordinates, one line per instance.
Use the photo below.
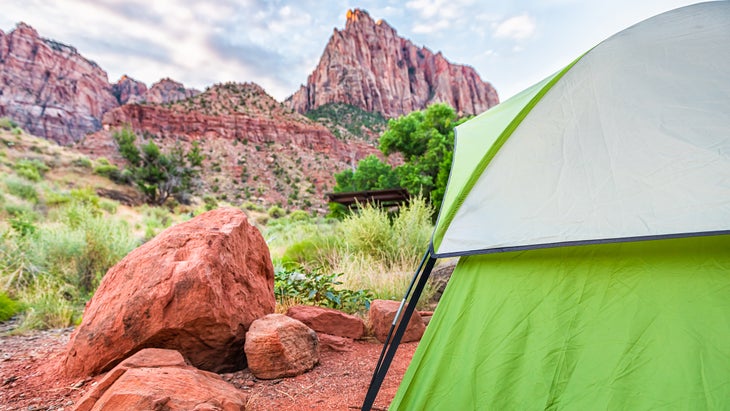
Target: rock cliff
(129, 90)
(52, 91)
(49, 88)
(256, 149)
(168, 91)
(368, 65)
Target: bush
(32, 170)
(315, 251)
(83, 162)
(276, 212)
(21, 189)
(319, 289)
(7, 124)
(8, 307)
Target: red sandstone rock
(279, 346)
(129, 90)
(168, 91)
(368, 65)
(155, 379)
(255, 141)
(328, 321)
(381, 315)
(334, 343)
(195, 288)
(49, 88)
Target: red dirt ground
(339, 382)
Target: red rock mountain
(49, 88)
(54, 92)
(256, 149)
(369, 66)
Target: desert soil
(339, 382)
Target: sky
(277, 43)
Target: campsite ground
(339, 382)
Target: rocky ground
(339, 382)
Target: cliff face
(368, 65)
(49, 88)
(256, 149)
(52, 91)
(129, 90)
(168, 91)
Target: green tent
(591, 215)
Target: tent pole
(397, 314)
(390, 347)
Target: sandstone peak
(369, 66)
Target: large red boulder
(279, 346)
(381, 315)
(156, 379)
(195, 288)
(328, 321)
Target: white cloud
(428, 28)
(520, 27)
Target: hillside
(256, 149)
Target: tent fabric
(624, 326)
(629, 141)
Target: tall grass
(374, 249)
(52, 266)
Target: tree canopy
(425, 139)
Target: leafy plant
(320, 289)
(8, 307)
(32, 169)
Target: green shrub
(21, 189)
(276, 212)
(23, 224)
(7, 124)
(211, 203)
(84, 162)
(108, 170)
(299, 215)
(320, 289)
(8, 307)
(110, 206)
(57, 198)
(252, 207)
(315, 251)
(368, 232)
(32, 169)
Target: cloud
(520, 27)
(428, 28)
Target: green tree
(370, 174)
(426, 141)
(159, 174)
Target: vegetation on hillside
(58, 237)
(346, 121)
(159, 175)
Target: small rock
(381, 315)
(279, 346)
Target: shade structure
(591, 214)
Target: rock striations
(52, 91)
(259, 149)
(49, 88)
(368, 65)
